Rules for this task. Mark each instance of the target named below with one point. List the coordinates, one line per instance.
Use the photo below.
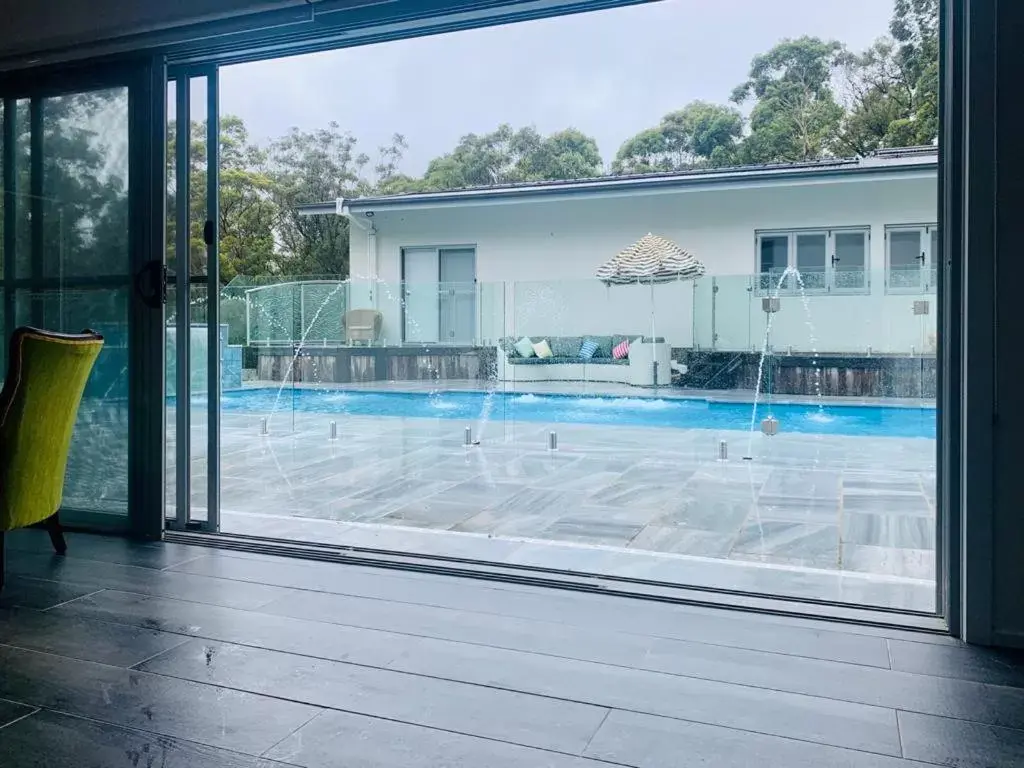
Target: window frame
(830, 288)
(926, 284)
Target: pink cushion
(621, 350)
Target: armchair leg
(56, 534)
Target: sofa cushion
(565, 346)
(587, 349)
(604, 345)
(543, 350)
(621, 351)
(525, 347)
(566, 361)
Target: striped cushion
(587, 349)
(621, 350)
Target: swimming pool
(687, 413)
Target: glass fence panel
(730, 309)
(573, 412)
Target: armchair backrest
(46, 377)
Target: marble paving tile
(707, 512)
(535, 467)
(881, 530)
(684, 541)
(432, 512)
(882, 482)
(626, 493)
(888, 503)
(537, 501)
(505, 523)
(483, 490)
(403, 488)
(791, 540)
(784, 485)
(889, 561)
(591, 531)
(343, 509)
(817, 511)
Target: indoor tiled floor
(169, 655)
(815, 508)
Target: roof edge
(911, 160)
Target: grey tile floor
(827, 517)
(124, 655)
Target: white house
(471, 266)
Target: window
(911, 255)
(818, 261)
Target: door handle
(151, 284)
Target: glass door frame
(183, 281)
(143, 77)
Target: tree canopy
(809, 98)
(803, 99)
(699, 134)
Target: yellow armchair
(46, 375)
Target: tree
(892, 89)
(795, 115)
(246, 213)
(246, 209)
(506, 156)
(700, 134)
(306, 166)
(567, 154)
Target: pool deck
(811, 516)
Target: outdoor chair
(362, 325)
(39, 402)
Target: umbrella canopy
(651, 259)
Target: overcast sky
(608, 73)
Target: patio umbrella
(651, 259)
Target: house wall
(536, 260)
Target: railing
(298, 311)
(837, 279)
(846, 310)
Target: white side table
(642, 357)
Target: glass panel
(82, 227)
(773, 259)
(729, 431)
(849, 270)
(85, 181)
(811, 257)
(96, 480)
(935, 259)
(905, 252)
(421, 295)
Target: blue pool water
(829, 419)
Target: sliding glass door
(78, 253)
